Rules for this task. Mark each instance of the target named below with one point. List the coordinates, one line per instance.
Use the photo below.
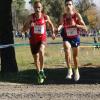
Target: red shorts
(36, 47)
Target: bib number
(71, 31)
(38, 29)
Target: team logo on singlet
(71, 31)
(38, 29)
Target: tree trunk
(8, 60)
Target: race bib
(38, 29)
(71, 31)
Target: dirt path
(12, 91)
(22, 87)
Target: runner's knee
(42, 47)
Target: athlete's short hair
(37, 1)
(68, 0)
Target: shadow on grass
(54, 76)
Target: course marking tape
(27, 44)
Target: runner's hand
(56, 30)
(53, 36)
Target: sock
(42, 70)
(70, 67)
(76, 68)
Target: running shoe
(40, 78)
(43, 74)
(69, 74)
(76, 74)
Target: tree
(19, 13)
(54, 8)
(8, 60)
(83, 6)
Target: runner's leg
(75, 58)
(36, 61)
(67, 50)
(41, 56)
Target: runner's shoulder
(45, 16)
(78, 14)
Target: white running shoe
(76, 74)
(69, 74)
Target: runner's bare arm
(60, 24)
(50, 23)
(27, 23)
(81, 23)
(52, 27)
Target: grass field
(55, 66)
(54, 55)
(23, 85)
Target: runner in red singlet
(70, 24)
(36, 22)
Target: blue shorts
(75, 42)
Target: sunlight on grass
(54, 55)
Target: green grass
(54, 62)
(54, 55)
